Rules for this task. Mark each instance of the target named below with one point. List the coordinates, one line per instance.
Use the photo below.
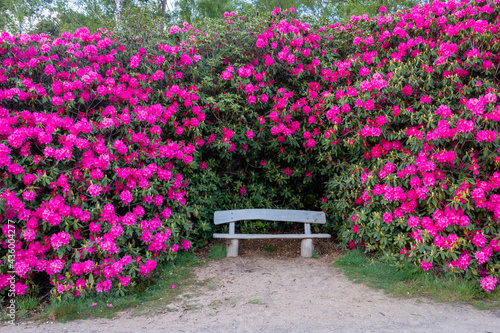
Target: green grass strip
(162, 287)
(411, 282)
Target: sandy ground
(258, 294)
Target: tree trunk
(163, 11)
(118, 12)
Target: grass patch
(27, 303)
(410, 281)
(269, 249)
(215, 304)
(256, 301)
(217, 252)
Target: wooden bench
(303, 216)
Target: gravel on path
(257, 294)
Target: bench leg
(232, 248)
(306, 248)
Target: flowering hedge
(418, 127)
(113, 156)
(94, 137)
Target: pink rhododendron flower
(407, 90)
(226, 75)
(488, 283)
(59, 239)
(444, 111)
(244, 72)
(465, 126)
(426, 265)
(387, 217)
(126, 197)
(20, 288)
(94, 190)
(186, 245)
(103, 286)
(174, 248)
(174, 30)
(479, 240)
(29, 195)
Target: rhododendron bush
(93, 140)
(114, 156)
(416, 105)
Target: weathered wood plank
(282, 215)
(276, 236)
(307, 228)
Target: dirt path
(257, 294)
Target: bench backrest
(303, 216)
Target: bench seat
(275, 236)
(302, 216)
